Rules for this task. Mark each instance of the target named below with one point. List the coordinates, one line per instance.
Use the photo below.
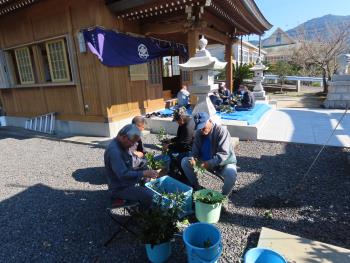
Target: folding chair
(127, 207)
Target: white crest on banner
(143, 51)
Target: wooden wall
(101, 93)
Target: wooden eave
(237, 17)
(9, 6)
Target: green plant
(226, 109)
(158, 224)
(162, 135)
(241, 72)
(152, 163)
(268, 214)
(198, 169)
(208, 196)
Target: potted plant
(208, 205)
(158, 228)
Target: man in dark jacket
(248, 99)
(122, 178)
(224, 93)
(212, 147)
(139, 122)
(181, 145)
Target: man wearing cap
(213, 148)
(122, 178)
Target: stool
(127, 206)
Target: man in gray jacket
(122, 178)
(212, 147)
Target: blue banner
(116, 49)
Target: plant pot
(209, 213)
(158, 253)
(256, 255)
(196, 236)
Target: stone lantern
(258, 70)
(203, 65)
(338, 95)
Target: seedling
(198, 169)
(162, 135)
(207, 243)
(208, 196)
(268, 214)
(152, 163)
(226, 109)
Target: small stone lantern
(203, 65)
(258, 70)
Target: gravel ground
(53, 201)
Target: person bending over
(212, 147)
(122, 178)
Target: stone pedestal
(338, 96)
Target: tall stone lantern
(203, 65)
(258, 70)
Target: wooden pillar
(192, 41)
(241, 62)
(228, 58)
(192, 44)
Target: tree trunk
(324, 79)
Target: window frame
(65, 59)
(74, 79)
(20, 73)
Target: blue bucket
(203, 243)
(263, 255)
(159, 253)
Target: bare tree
(319, 53)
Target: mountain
(321, 27)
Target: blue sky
(287, 14)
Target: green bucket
(208, 213)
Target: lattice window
(24, 65)
(155, 71)
(175, 65)
(58, 62)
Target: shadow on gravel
(91, 175)
(42, 224)
(319, 210)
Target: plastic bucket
(209, 213)
(203, 243)
(159, 253)
(263, 255)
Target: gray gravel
(53, 201)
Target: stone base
(259, 95)
(75, 127)
(336, 104)
(338, 96)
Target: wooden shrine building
(45, 65)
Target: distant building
(279, 46)
(250, 52)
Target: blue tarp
(171, 110)
(251, 116)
